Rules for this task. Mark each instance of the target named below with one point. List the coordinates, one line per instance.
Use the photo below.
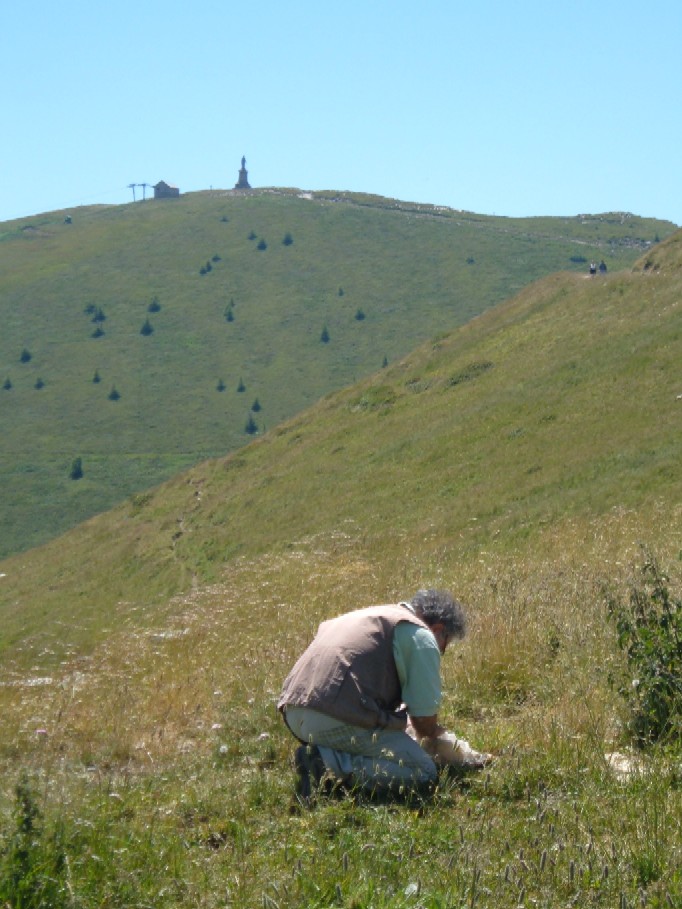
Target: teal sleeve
(417, 659)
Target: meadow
(138, 340)
(529, 461)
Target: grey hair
(439, 606)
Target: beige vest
(348, 671)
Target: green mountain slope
(562, 404)
(237, 291)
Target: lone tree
(25, 356)
(147, 328)
(324, 337)
(114, 394)
(241, 387)
(154, 306)
(220, 386)
(255, 407)
(76, 472)
(251, 427)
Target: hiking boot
(310, 769)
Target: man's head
(442, 613)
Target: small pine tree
(7, 384)
(251, 426)
(76, 472)
(96, 378)
(220, 386)
(385, 363)
(98, 332)
(288, 239)
(229, 315)
(262, 245)
(147, 329)
(324, 337)
(253, 235)
(359, 315)
(114, 394)
(241, 387)
(99, 315)
(39, 383)
(341, 291)
(154, 306)
(255, 407)
(25, 356)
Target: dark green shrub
(98, 332)
(251, 426)
(262, 245)
(96, 378)
(288, 239)
(255, 407)
(359, 315)
(32, 864)
(241, 387)
(220, 386)
(154, 306)
(649, 626)
(324, 337)
(39, 383)
(7, 384)
(76, 471)
(147, 329)
(114, 395)
(25, 356)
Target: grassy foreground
(164, 777)
(520, 462)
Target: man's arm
(427, 727)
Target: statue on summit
(243, 181)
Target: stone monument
(243, 182)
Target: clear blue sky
(524, 108)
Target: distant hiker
(602, 267)
(593, 268)
(364, 697)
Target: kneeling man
(364, 697)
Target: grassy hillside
(520, 461)
(241, 289)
